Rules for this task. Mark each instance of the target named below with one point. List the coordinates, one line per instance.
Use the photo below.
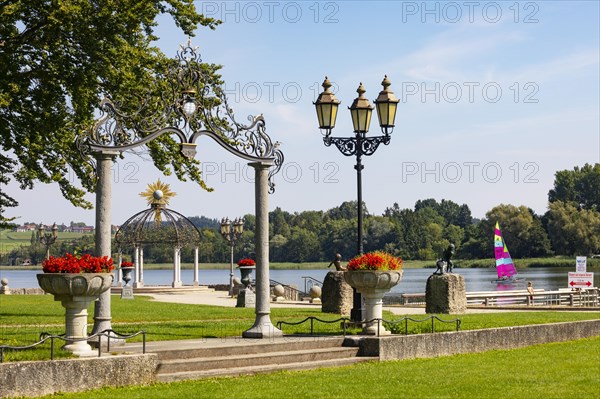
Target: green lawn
(24, 317)
(550, 371)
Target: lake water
(413, 282)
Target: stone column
(174, 283)
(196, 267)
(104, 163)
(263, 327)
(141, 279)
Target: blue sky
(495, 98)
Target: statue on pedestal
(445, 264)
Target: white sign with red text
(581, 280)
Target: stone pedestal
(445, 293)
(336, 294)
(246, 299)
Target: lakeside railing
(586, 297)
(44, 336)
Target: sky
(495, 97)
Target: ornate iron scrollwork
(194, 105)
(358, 145)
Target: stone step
(246, 347)
(241, 360)
(270, 368)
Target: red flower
(377, 260)
(246, 262)
(72, 264)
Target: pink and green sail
(504, 263)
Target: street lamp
(47, 239)
(358, 145)
(231, 232)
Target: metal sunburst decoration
(158, 195)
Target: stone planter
(373, 284)
(127, 274)
(76, 292)
(246, 271)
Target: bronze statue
(337, 262)
(445, 264)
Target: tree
(573, 231)
(57, 59)
(580, 185)
(521, 228)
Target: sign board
(580, 264)
(581, 280)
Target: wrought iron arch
(189, 109)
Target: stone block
(336, 294)
(445, 293)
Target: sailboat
(504, 264)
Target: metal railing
(588, 297)
(309, 282)
(294, 293)
(44, 336)
(346, 321)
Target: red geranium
(84, 264)
(246, 262)
(377, 260)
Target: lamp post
(359, 144)
(231, 232)
(48, 239)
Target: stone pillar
(104, 163)
(138, 267)
(141, 279)
(263, 327)
(336, 294)
(120, 274)
(196, 267)
(445, 293)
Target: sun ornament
(158, 195)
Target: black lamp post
(231, 232)
(47, 239)
(358, 145)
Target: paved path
(221, 298)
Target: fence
(587, 297)
(45, 337)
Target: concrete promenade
(221, 298)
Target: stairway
(253, 358)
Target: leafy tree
(57, 58)
(303, 245)
(580, 185)
(573, 231)
(6, 169)
(521, 228)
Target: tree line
(570, 226)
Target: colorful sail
(504, 263)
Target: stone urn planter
(373, 284)
(246, 271)
(372, 275)
(76, 282)
(127, 271)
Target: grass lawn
(550, 371)
(24, 317)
